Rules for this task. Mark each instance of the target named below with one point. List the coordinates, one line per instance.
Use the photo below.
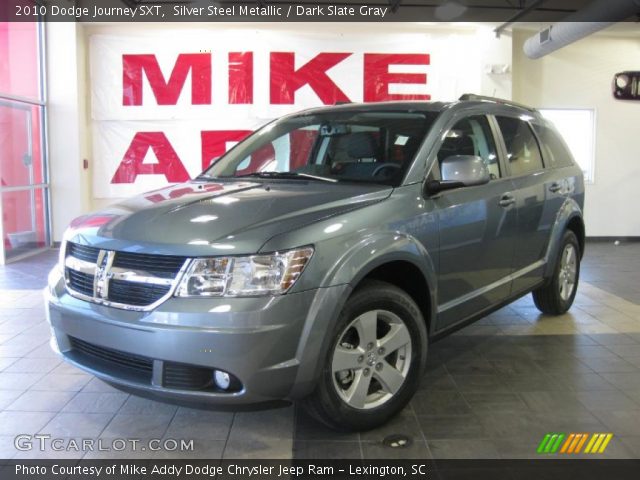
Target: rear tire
(556, 297)
(374, 362)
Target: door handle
(506, 200)
(555, 187)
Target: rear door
(477, 227)
(539, 192)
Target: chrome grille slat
(89, 254)
(133, 281)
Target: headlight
(270, 274)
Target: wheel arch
(569, 218)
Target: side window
(523, 153)
(555, 151)
(472, 136)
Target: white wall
(580, 76)
(68, 135)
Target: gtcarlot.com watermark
(45, 442)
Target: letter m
(166, 92)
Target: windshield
(372, 147)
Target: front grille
(80, 282)
(137, 294)
(164, 266)
(89, 254)
(186, 377)
(134, 279)
(142, 366)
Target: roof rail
(483, 98)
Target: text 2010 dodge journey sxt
(318, 257)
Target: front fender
(378, 249)
(570, 209)
(347, 272)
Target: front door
(477, 227)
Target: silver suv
(318, 258)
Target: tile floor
(491, 390)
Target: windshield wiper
(285, 175)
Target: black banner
(315, 11)
(570, 469)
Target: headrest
(361, 145)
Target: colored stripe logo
(574, 443)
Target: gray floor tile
(516, 367)
(452, 426)
(28, 423)
(96, 385)
(503, 402)
(7, 397)
(137, 426)
(531, 383)
(624, 381)
(200, 424)
(440, 382)
(43, 351)
(632, 444)
(609, 339)
(480, 383)
(77, 424)
(305, 449)
(607, 399)
(18, 381)
(7, 449)
(5, 362)
(512, 424)
(307, 428)
(463, 448)
(625, 351)
(610, 365)
(377, 450)
(60, 382)
(144, 406)
(404, 423)
(32, 365)
(552, 401)
(582, 381)
(440, 403)
(620, 422)
(32, 401)
(275, 424)
(95, 402)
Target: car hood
(221, 218)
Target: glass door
(23, 185)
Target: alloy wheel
(371, 359)
(568, 272)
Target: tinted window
(375, 147)
(472, 136)
(555, 151)
(523, 153)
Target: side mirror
(460, 171)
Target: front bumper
(272, 345)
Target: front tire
(556, 297)
(374, 362)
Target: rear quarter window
(555, 152)
(523, 152)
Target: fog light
(222, 379)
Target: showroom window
(24, 183)
(577, 127)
